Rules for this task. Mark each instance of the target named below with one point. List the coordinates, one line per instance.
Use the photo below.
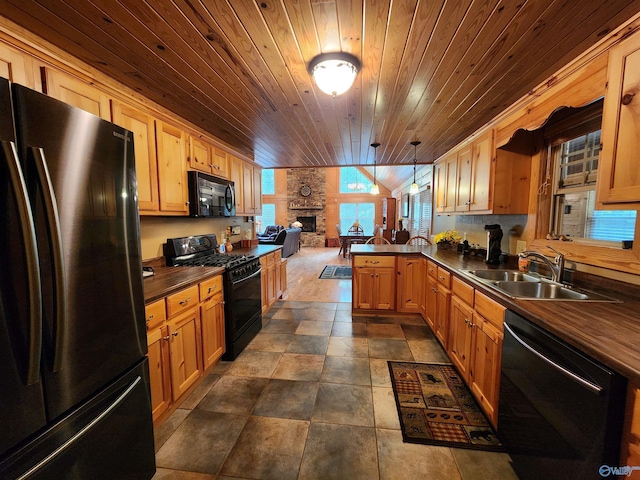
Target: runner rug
(436, 408)
(336, 272)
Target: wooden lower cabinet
(484, 377)
(270, 276)
(159, 371)
(184, 351)
(411, 272)
(431, 295)
(460, 335)
(443, 302)
(630, 451)
(213, 341)
(374, 283)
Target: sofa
(270, 232)
(289, 238)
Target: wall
(154, 231)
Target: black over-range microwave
(210, 196)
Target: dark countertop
(608, 332)
(168, 280)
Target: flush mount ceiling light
(334, 73)
(374, 188)
(414, 186)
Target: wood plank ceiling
(432, 70)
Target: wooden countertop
(608, 332)
(168, 280)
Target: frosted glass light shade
(334, 73)
(414, 188)
(375, 190)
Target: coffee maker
(494, 236)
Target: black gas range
(242, 285)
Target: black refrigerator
(74, 389)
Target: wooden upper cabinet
(462, 192)
(172, 169)
(481, 174)
(141, 125)
(19, 67)
(247, 188)
(237, 178)
(77, 93)
(257, 191)
(451, 173)
(618, 173)
(219, 163)
(440, 181)
(199, 155)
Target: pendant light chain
(415, 188)
(375, 190)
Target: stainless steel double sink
(521, 285)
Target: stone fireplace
(307, 198)
(308, 223)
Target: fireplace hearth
(308, 223)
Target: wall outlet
(521, 246)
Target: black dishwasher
(560, 412)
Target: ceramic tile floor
(310, 398)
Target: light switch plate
(521, 246)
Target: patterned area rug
(336, 272)
(436, 408)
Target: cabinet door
(432, 302)
(440, 180)
(481, 174)
(159, 374)
(278, 281)
(451, 183)
(257, 191)
(172, 169)
(485, 367)
(144, 143)
(363, 286)
(460, 330)
(184, 346)
(410, 287)
(271, 285)
(618, 172)
(247, 189)
(442, 315)
(463, 188)
(18, 67)
(199, 155)
(219, 163)
(385, 288)
(77, 93)
(213, 341)
(237, 179)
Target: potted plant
(448, 240)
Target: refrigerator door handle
(121, 398)
(55, 237)
(33, 268)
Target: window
(574, 195)
(353, 180)
(364, 213)
(420, 209)
(267, 218)
(268, 182)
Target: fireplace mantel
(307, 207)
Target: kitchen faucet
(556, 266)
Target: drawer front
(155, 314)
(432, 269)
(277, 256)
(374, 261)
(490, 310)
(268, 260)
(463, 291)
(183, 300)
(210, 287)
(444, 277)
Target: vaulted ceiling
(432, 70)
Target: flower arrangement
(447, 239)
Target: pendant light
(374, 188)
(334, 73)
(414, 186)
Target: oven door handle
(582, 381)
(257, 272)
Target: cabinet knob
(175, 334)
(441, 277)
(466, 320)
(167, 338)
(185, 301)
(211, 289)
(187, 203)
(149, 318)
